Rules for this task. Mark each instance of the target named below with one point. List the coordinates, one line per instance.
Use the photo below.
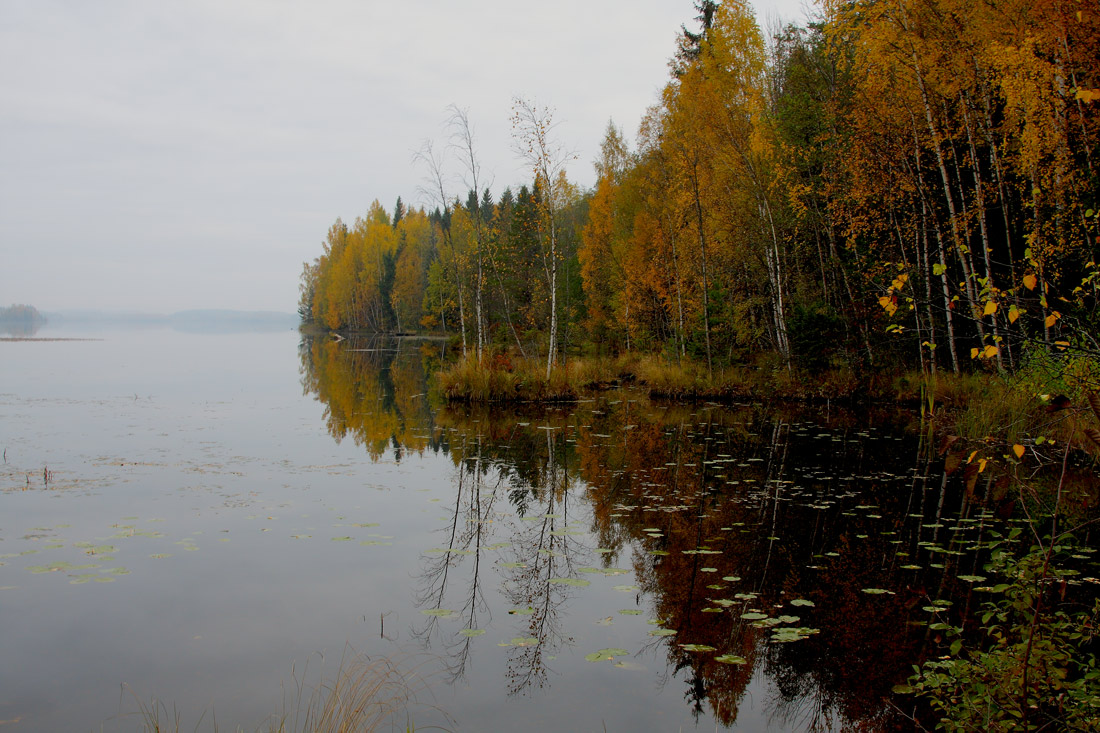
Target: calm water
(205, 519)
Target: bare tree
(533, 141)
(462, 140)
(435, 190)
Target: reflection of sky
(220, 445)
(212, 435)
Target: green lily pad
(471, 633)
(731, 659)
(606, 654)
(520, 641)
(522, 611)
(754, 616)
(578, 582)
(663, 632)
(696, 647)
(802, 602)
(438, 612)
(878, 592)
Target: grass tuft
(367, 694)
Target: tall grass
(367, 694)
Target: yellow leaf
(1013, 314)
(1051, 319)
(899, 282)
(1062, 345)
(1088, 96)
(1030, 281)
(1018, 450)
(971, 458)
(990, 351)
(990, 308)
(981, 464)
(974, 353)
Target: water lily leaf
(630, 612)
(663, 632)
(604, 571)
(520, 641)
(161, 555)
(731, 578)
(731, 659)
(624, 588)
(373, 543)
(696, 647)
(606, 654)
(522, 611)
(972, 578)
(470, 633)
(802, 602)
(513, 565)
(754, 616)
(438, 612)
(579, 582)
(633, 666)
(878, 592)
(341, 539)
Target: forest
(902, 184)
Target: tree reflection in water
(737, 522)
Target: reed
(367, 694)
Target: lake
(211, 525)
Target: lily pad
(731, 659)
(520, 641)
(606, 654)
(663, 632)
(470, 633)
(802, 602)
(878, 592)
(578, 582)
(438, 612)
(696, 647)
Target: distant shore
(38, 338)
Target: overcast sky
(175, 154)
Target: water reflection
(802, 546)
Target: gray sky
(178, 154)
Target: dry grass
(367, 694)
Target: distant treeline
(21, 320)
(904, 181)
